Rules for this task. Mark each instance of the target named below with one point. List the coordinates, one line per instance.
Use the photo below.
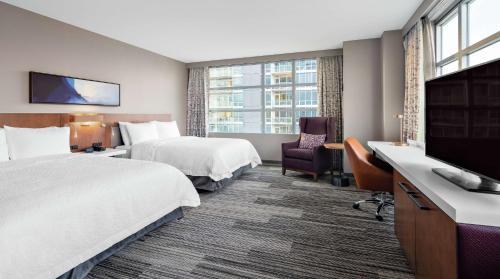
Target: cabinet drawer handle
(403, 187)
(417, 202)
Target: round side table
(338, 180)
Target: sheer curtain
(197, 103)
(414, 82)
(330, 92)
(429, 51)
(429, 70)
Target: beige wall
(150, 83)
(261, 59)
(268, 146)
(392, 59)
(422, 10)
(362, 91)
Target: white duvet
(216, 158)
(59, 211)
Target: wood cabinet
(426, 234)
(404, 221)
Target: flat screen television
(55, 89)
(462, 112)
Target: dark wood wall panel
(30, 120)
(114, 118)
(81, 135)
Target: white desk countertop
(461, 205)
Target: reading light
(87, 119)
(401, 141)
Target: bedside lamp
(401, 141)
(85, 129)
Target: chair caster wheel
(355, 205)
(380, 218)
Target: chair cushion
(300, 153)
(310, 141)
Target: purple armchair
(311, 161)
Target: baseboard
(278, 163)
(271, 163)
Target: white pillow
(142, 132)
(124, 132)
(167, 129)
(28, 143)
(4, 151)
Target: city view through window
(262, 98)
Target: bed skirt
(84, 268)
(206, 183)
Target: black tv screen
(463, 119)
(56, 89)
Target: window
(483, 19)
(262, 98)
(448, 30)
(468, 35)
(449, 68)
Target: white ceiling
(203, 30)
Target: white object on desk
(460, 205)
(109, 152)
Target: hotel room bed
(62, 214)
(210, 163)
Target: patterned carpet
(266, 225)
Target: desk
(460, 205)
(444, 230)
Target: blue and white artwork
(54, 89)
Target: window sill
(252, 134)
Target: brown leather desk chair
(371, 174)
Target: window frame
(464, 49)
(293, 85)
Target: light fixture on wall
(401, 142)
(85, 129)
(86, 120)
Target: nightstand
(109, 152)
(340, 179)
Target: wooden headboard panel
(112, 119)
(83, 136)
(31, 120)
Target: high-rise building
(262, 98)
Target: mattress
(57, 212)
(216, 158)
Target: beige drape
(330, 93)
(429, 49)
(196, 103)
(429, 69)
(413, 81)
